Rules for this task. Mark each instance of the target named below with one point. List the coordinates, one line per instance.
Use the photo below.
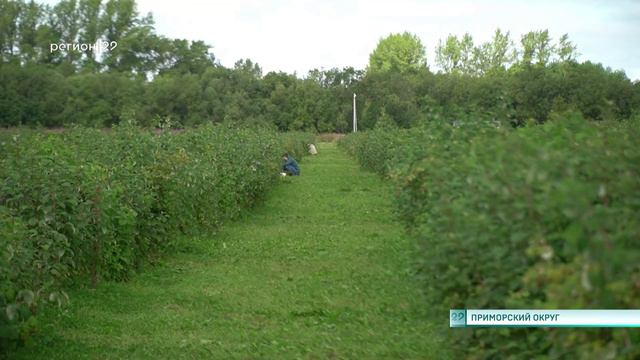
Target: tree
(139, 52)
(91, 29)
(155, 77)
(401, 53)
(543, 48)
(249, 68)
(457, 56)
(29, 22)
(30, 95)
(467, 60)
(67, 27)
(449, 54)
(566, 50)
(118, 19)
(278, 92)
(501, 52)
(177, 96)
(102, 99)
(9, 14)
(536, 46)
(391, 93)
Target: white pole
(355, 117)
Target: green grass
(321, 270)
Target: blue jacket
(291, 166)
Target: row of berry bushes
(84, 205)
(296, 143)
(546, 216)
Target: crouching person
(313, 150)
(289, 165)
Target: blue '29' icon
(457, 318)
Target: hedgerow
(85, 205)
(545, 216)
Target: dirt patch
(329, 137)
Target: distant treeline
(152, 78)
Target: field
(132, 243)
(83, 206)
(144, 213)
(544, 217)
(319, 270)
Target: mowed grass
(321, 270)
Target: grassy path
(320, 271)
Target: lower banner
(543, 318)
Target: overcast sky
(301, 35)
